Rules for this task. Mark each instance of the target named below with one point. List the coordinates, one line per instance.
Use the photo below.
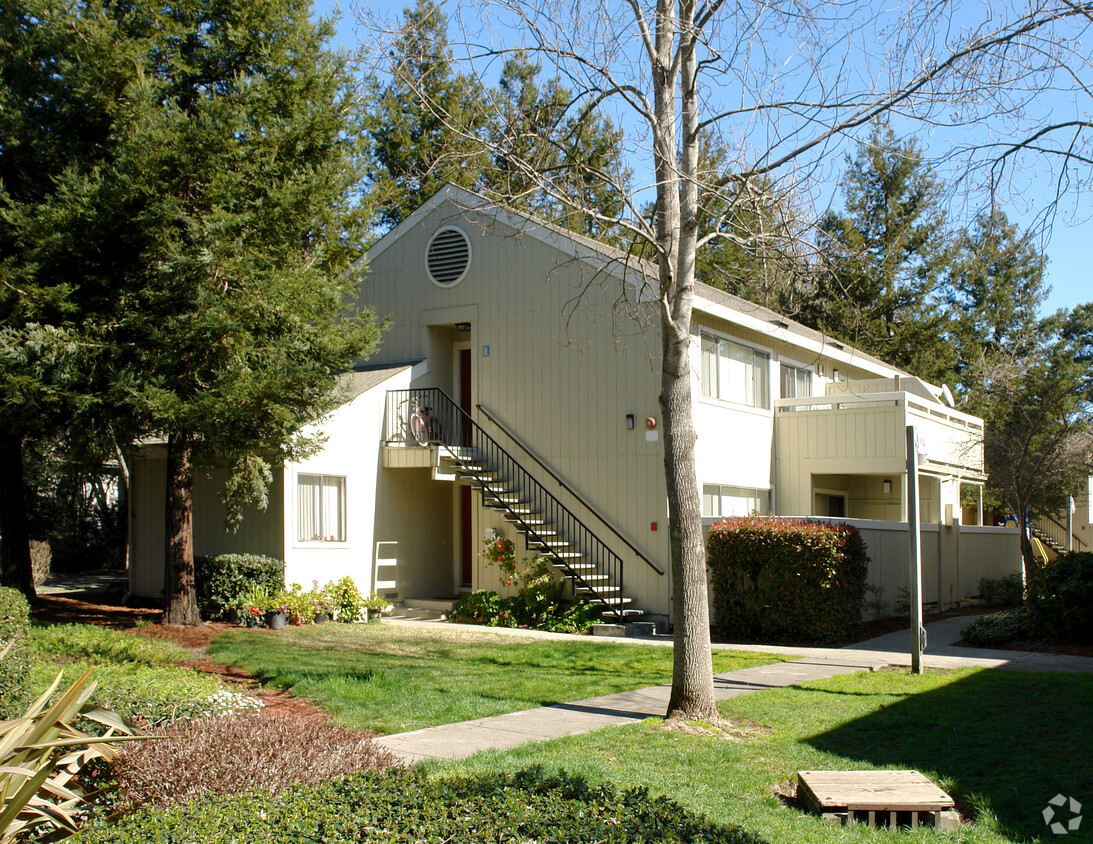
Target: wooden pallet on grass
(880, 798)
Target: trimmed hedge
(1060, 599)
(410, 807)
(786, 580)
(998, 628)
(15, 666)
(224, 579)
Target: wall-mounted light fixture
(835, 375)
(820, 369)
(629, 421)
(462, 326)
(887, 485)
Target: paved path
(456, 741)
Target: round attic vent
(448, 256)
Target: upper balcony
(859, 428)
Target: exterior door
(466, 549)
(464, 390)
(464, 395)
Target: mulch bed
(54, 609)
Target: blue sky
(1067, 245)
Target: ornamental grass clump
(786, 580)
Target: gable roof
(353, 384)
(642, 274)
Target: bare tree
(782, 84)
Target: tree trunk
(692, 663)
(181, 594)
(15, 568)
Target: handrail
(568, 488)
(1076, 541)
(447, 424)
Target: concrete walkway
(457, 741)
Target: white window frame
(758, 503)
(708, 381)
(339, 535)
(799, 367)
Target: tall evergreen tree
(65, 240)
(548, 160)
(227, 192)
(751, 247)
(886, 258)
(412, 118)
(994, 291)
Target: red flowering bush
(786, 580)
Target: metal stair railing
(440, 421)
(1055, 533)
(602, 519)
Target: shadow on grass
(1000, 742)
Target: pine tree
(994, 291)
(65, 240)
(752, 249)
(886, 256)
(205, 241)
(549, 161)
(422, 121)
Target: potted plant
(277, 612)
(375, 606)
(253, 606)
(321, 604)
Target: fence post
(913, 528)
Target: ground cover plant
(390, 678)
(410, 807)
(138, 678)
(1002, 743)
(230, 754)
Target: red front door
(466, 568)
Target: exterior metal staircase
(430, 418)
(1054, 534)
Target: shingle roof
(352, 384)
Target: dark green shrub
(223, 580)
(1008, 591)
(785, 580)
(14, 667)
(524, 610)
(998, 628)
(1060, 599)
(411, 807)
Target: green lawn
(1002, 743)
(392, 679)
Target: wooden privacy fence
(954, 558)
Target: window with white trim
(719, 500)
(320, 508)
(734, 372)
(796, 382)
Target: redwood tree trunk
(181, 594)
(15, 568)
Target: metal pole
(913, 529)
(1070, 523)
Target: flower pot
(276, 620)
(322, 617)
